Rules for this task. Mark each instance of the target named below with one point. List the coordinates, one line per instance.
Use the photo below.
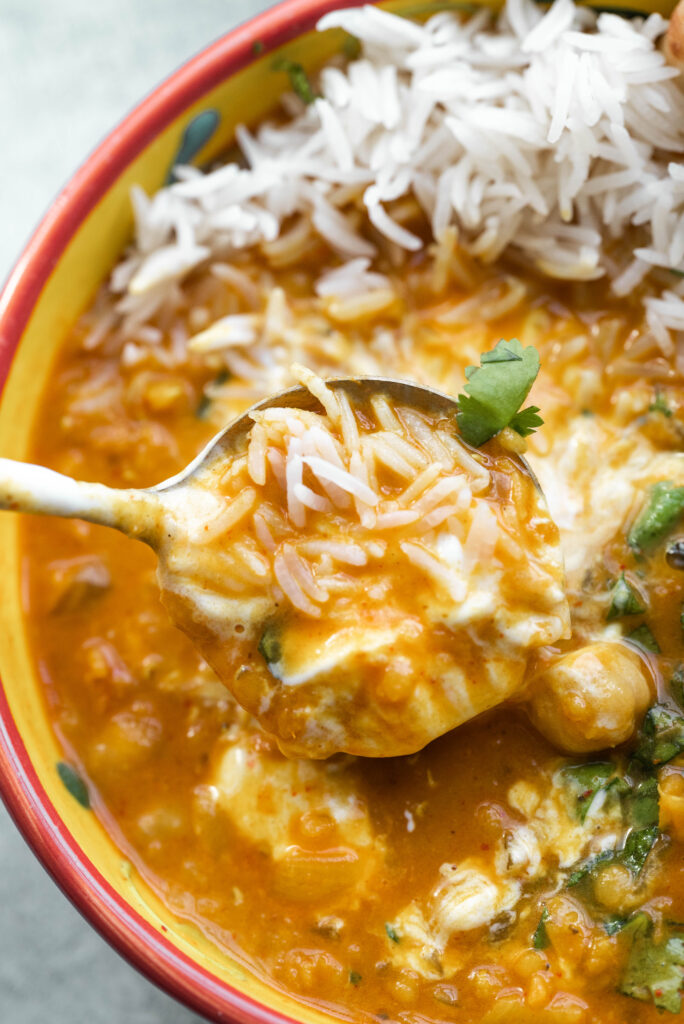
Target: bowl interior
(75, 257)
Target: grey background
(69, 70)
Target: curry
(441, 188)
(473, 880)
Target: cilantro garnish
(659, 404)
(495, 391)
(586, 780)
(659, 515)
(299, 80)
(655, 970)
(392, 933)
(643, 637)
(661, 737)
(624, 600)
(633, 855)
(540, 939)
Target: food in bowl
(453, 183)
(399, 591)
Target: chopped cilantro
(540, 939)
(624, 600)
(205, 402)
(643, 637)
(392, 933)
(655, 970)
(269, 645)
(642, 803)
(659, 404)
(588, 869)
(661, 736)
(354, 978)
(633, 854)
(638, 845)
(495, 391)
(586, 780)
(677, 272)
(299, 80)
(658, 516)
(677, 685)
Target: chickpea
(591, 698)
(614, 888)
(673, 46)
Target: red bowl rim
(132, 936)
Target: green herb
(586, 781)
(661, 736)
(299, 80)
(392, 933)
(205, 402)
(351, 47)
(660, 405)
(643, 637)
(588, 869)
(257, 47)
(642, 803)
(495, 392)
(540, 939)
(633, 854)
(655, 970)
(677, 685)
(614, 924)
(624, 600)
(658, 516)
(354, 978)
(269, 645)
(676, 272)
(74, 783)
(638, 845)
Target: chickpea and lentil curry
(526, 866)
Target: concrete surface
(69, 70)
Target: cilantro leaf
(540, 939)
(495, 392)
(299, 80)
(638, 845)
(585, 781)
(661, 736)
(624, 600)
(392, 933)
(633, 854)
(526, 421)
(677, 685)
(659, 404)
(643, 637)
(655, 970)
(643, 803)
(657, 518)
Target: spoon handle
(28, 488)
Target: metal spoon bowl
(137, 511)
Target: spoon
(442, 622)
(137, 512)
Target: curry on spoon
(359, 577)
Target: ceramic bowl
(190, 117)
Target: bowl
(190, 117)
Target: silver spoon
(139, 512)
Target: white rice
(549, 132)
